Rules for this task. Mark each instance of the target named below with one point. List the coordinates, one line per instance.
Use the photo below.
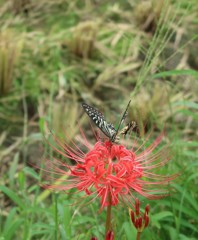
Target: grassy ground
(55, 54)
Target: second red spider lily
(139, 220)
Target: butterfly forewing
(92, 112)
(97, 117)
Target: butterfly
(108, 128)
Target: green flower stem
(138, 236)
(108, 218)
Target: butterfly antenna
(121, 121)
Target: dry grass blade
(113, 71)
(83, 41)
(11, 148)
(10, 50)
(20, 6)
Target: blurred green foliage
(54, 54)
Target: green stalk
(108, 218)
(138, 235)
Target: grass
(57, 54)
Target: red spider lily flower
(110, 171)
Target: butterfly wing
(98, 118)
(121, 121)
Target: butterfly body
(130, 126)
(107, 128)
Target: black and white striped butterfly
(108, 128)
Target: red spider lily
(109, 235)
(110, 171)
(140, 221)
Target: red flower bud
(110, 235)
(146, 221)
(132, 217)
(136, 223)
(140, 223)
(147, 209)
(137, 207)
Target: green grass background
(54, 54)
